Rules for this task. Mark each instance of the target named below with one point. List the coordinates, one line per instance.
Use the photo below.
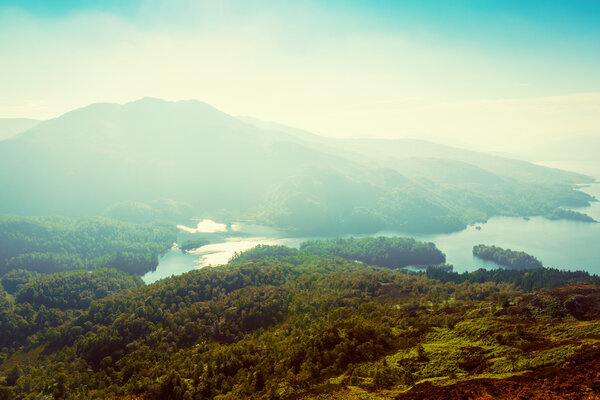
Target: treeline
(562, 213)
(506, 257)
(55, 244)
(192, 244)
(43, 302)
(270, 252)
(390, 252)
(530, 280)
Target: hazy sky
(488, 74)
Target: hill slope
(397, 153)
(212, 164)
(10, 127)
(320, 327)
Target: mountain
(397, 153)
(88, 159)
(10, 127)
(125, 159)
(394, 152)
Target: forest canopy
(267, 329)
(42, 302)
(192, 244)
(390, 252)
(506, 257)
(54, 244)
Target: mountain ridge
(91, 158)
(11, 127)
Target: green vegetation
(14, 279)
(530, 280)
(561, 213)
(75, 289)
(390, 252)
(193, 244)
(286, 254)
(281, 323)
(325, 201)
(54, 244)
(506, 257)
(45, 302)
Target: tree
(13, 375)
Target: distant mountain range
(152, 159)
(580, 154)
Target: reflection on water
(562, 244)
(205, 226)
(173, 262)
(239, 237)
(220, 253)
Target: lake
(561, 244)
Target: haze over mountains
(10, 127)
(578, 153)
(156, 159)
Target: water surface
(562, 244)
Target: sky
(488, 75)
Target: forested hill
(54, 244)
(152, 159)
(322, 326)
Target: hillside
(10, 127)
(53, 244)
(320, 327)
(153, 159)
(395, 152)
(400, 153)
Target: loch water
(564, 244)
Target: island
(192, 244)
(390, 252)
(507, 258)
